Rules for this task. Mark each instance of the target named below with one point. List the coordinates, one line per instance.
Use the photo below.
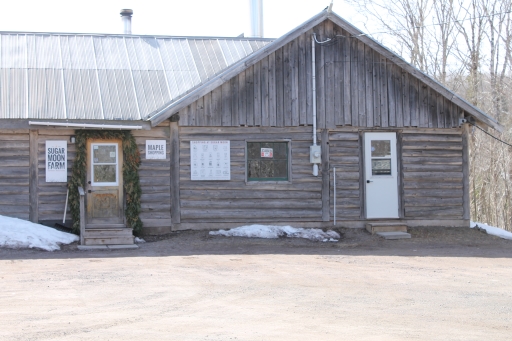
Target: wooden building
(224, 127)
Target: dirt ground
(443, 284)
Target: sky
(226, 18)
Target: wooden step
(394, 235)
(104, 226)
(100, 233)
(109, 240)
(385, 227)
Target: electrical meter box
(315, 154)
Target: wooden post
(400, 176)
(465, 173)
(175, 173)
(326, 214)
(362, 187)
(33, 177)
(82, 214)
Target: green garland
(132, 191)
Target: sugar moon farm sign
(56, 161)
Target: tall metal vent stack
(256, 13)
(126, 17)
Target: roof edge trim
(87, 125)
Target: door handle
(368, 181)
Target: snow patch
(495, 231)
(18, 233)
(270, 231)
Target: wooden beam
(326, 214)
(81, 193)
(175, 173)
(33, 177)
(465, 172)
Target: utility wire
(494, 137)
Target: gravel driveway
(443, 284)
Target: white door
(381, 179)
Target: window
(267, 161)
(381, 157)
(104, 164)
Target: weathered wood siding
(51, 196)
(14, 173)
(345, 155)
(355, 86)
(155, 182)
(432, 175)
(238, 201)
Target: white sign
(56, 161)
(267, 152)
(155, 149)
(210, 160)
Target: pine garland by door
(132, 191)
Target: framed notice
(56, 161)
(155, 149)
(210, 160)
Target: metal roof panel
(88, 76)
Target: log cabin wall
(204, 203)
(155, 182)
(433, 180)
(355, 85)
(431, 183)
(14, 174)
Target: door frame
(399, 174)
(120, 180)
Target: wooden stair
(108, 235)
(377, 227)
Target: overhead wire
(494, 137)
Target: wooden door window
(104, 165)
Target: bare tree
(405, 20)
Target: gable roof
(55, 76)
(176, 105)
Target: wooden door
(104, 198)
(381, 175)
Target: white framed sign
(56, 161)
(267, 152)
(156, 149)
(210, 160)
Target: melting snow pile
(269, 231)
(495, 231)
(17, 233)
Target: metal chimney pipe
(126, 17)
(256, 16)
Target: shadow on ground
(425, 242)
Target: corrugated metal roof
(76, 76)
